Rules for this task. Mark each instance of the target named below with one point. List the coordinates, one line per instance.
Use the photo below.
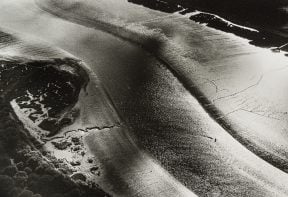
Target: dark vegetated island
(23, 170)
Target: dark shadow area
(268, 17)
(163, 6)
(257, 38)
(43, 84)
(23, 170)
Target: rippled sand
(189, 139)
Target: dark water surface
(268, 18)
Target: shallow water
(165, 118)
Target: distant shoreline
(266, 37)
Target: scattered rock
(79, 176)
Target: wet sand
(213, 66)
(165, 118)
(98, 112)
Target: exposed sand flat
(97, 112)
(246, 84)
(242, 86)
(128, 171)
(194, 148)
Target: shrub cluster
(24, 173)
